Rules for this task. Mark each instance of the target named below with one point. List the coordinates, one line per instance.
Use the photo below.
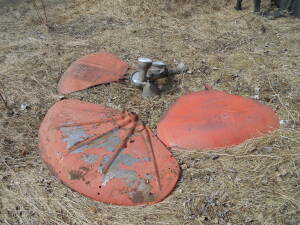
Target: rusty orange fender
(105, 154)
(91, 70)
(214, 119)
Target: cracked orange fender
(91, 70)
(214, 119)
(105, 154)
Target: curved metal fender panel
(105, 154)
(213, 119)
(91, 70)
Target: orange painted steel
(91, 70)
(213, 119)
(105, 154)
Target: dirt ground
(257, 182)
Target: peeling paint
(148, 176)
(114, 171)
(140, 186)
(80, 149)
(143, 186)
(73, 135)
(111, 141)
(89, 158)
(129, 176)
(102, 163)
(127, 159)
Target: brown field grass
(257, 182)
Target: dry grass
(254, 183)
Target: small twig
(45, 12)
(43, 19)
(5, 103)
(37, 11)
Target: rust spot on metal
(78, 174)
(139, 197)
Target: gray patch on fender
(90, 158)
(73, 135)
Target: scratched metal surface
(107, 155)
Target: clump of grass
(41, 13)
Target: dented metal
(107, 155)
